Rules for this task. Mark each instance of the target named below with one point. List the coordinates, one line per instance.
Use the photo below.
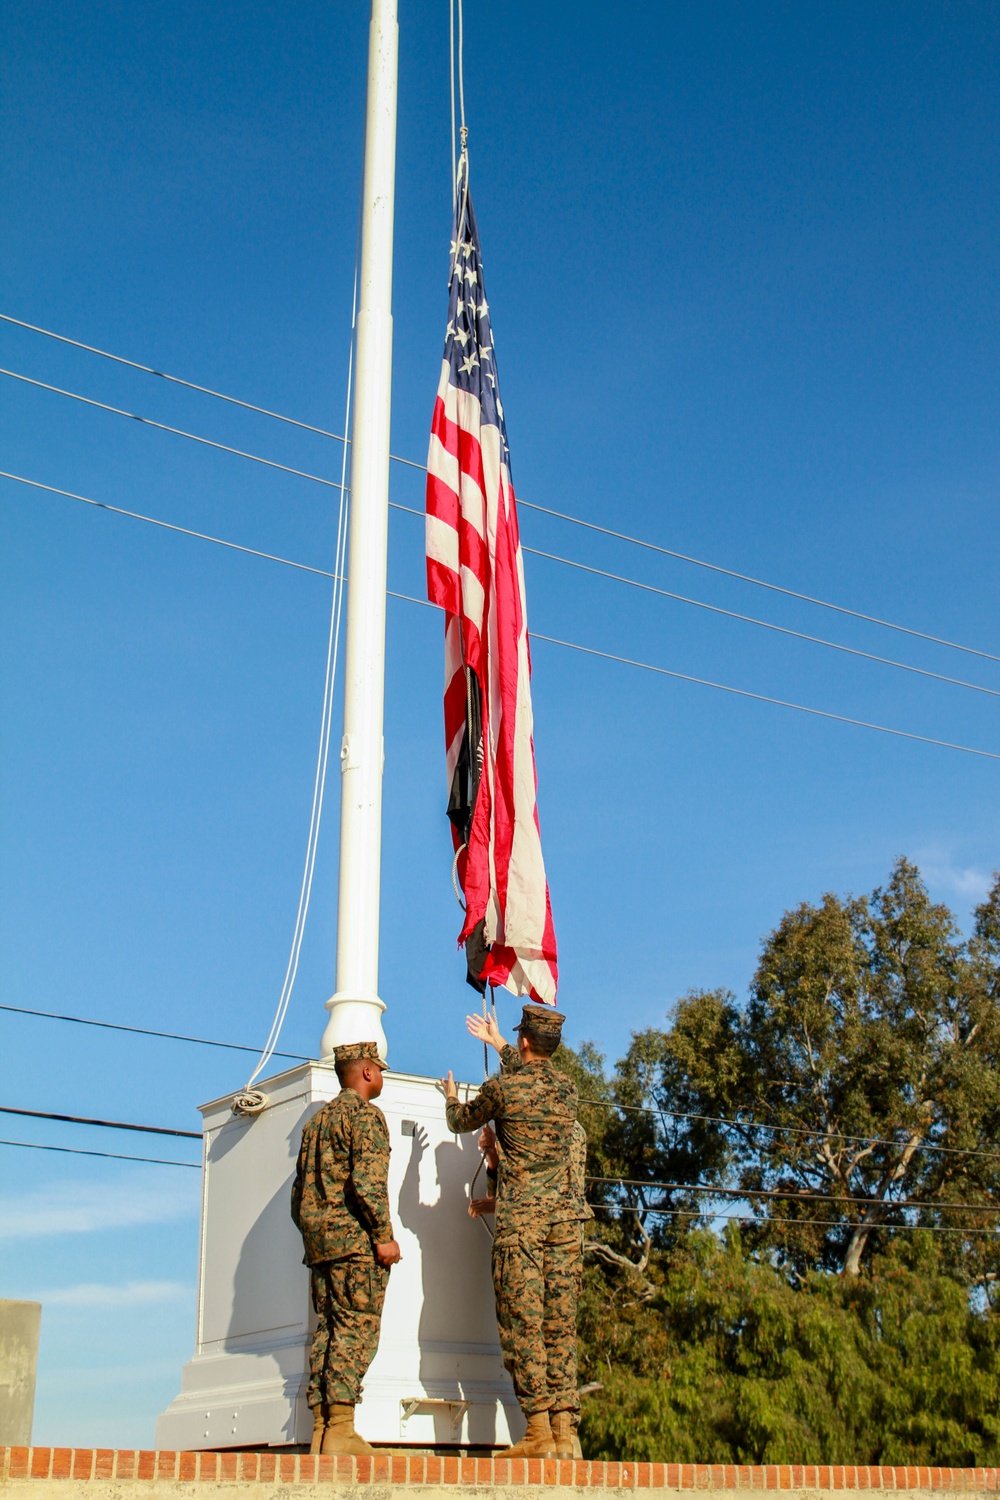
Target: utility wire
(760, 583)
(722, 687)
(200, 1041)
(598, 1207)
(153, 1161)
(550, 556)
(749, 1220)
(825, 1135)
(156, 1161)
(201, 536)
(731, 614)
(535, 635)
(621, 536)
(788, 1196)
(800, 635)
(774, 1194)
(567, 562)
(203, 390)
(42, 1114)
(193, 437)
(169, 1036)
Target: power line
(135, 515)
(41, 1114)
(546, 510)
(535, 635)
(826, 1135)
(200, 1041)
(156, 1161)
(550, 556)
(568, 562)
(760, 583)
(193, 437)
(710, 1191)
(788, 1196)
(722, 687)
(748, 1219)
(732, 614)
(190, 385)
(169, 1036)
(153, 1161)
(597, 1207)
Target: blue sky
(741, 260)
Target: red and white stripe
(475, 573)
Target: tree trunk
(855, 1249)
(859, 1239)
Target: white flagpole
(355, 1009)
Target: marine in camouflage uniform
(560, 1336)
(340, 1204)
(538, 1240)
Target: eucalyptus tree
(858, 1091)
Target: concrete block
(19, 1325)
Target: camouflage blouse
(510, 1060)
(533, 1109)
(340, 1201)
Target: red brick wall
(298, 1468)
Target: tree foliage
(732, 1363)
(852, 1317)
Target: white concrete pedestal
(437, 1378)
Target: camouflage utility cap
(359, 1052)
(541, 1022)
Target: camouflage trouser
(536, 1278)
(347, 1295)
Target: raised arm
(510, 1058)
(486, 1106)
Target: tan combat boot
(340, 1436)
(537, 1442)
(564, 1434)
(321, 1415)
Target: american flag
(475, 573)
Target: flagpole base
(437, 1380)
(353, 1019)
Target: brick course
(408, 1471)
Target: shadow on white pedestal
(437, 1379)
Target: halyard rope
(251, 1101)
